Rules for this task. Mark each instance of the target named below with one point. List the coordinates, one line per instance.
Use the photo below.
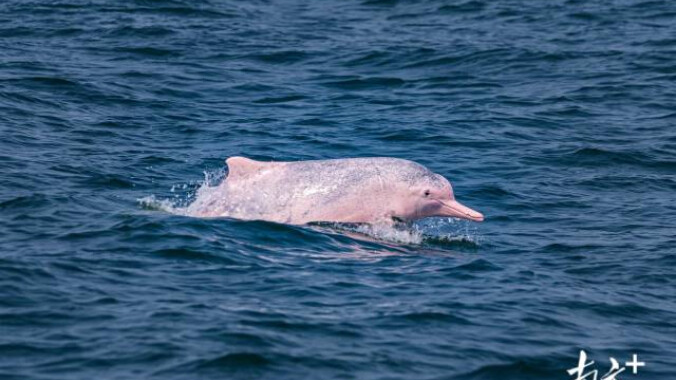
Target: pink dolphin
(352, 190)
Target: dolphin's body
(353, 190)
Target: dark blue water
(555, 119)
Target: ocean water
(556, 119)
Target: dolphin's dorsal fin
(241, 167)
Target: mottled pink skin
(353, 190)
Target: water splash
(431, 231)
(449, 230)
(185, 194)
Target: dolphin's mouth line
(397, 219)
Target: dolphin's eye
(427, 193)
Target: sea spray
(183, 195)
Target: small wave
(24, 201)
(590, 156)
(431, 316)
(178, 10)
(236, 359)
(46, 81)
(366, 83)
(284, 56)
(532, 368)
(145, 31)
(148, 51)
(279, 99)
(467, 7)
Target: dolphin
(352, 190)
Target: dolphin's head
(432, 195)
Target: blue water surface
(556, 119)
